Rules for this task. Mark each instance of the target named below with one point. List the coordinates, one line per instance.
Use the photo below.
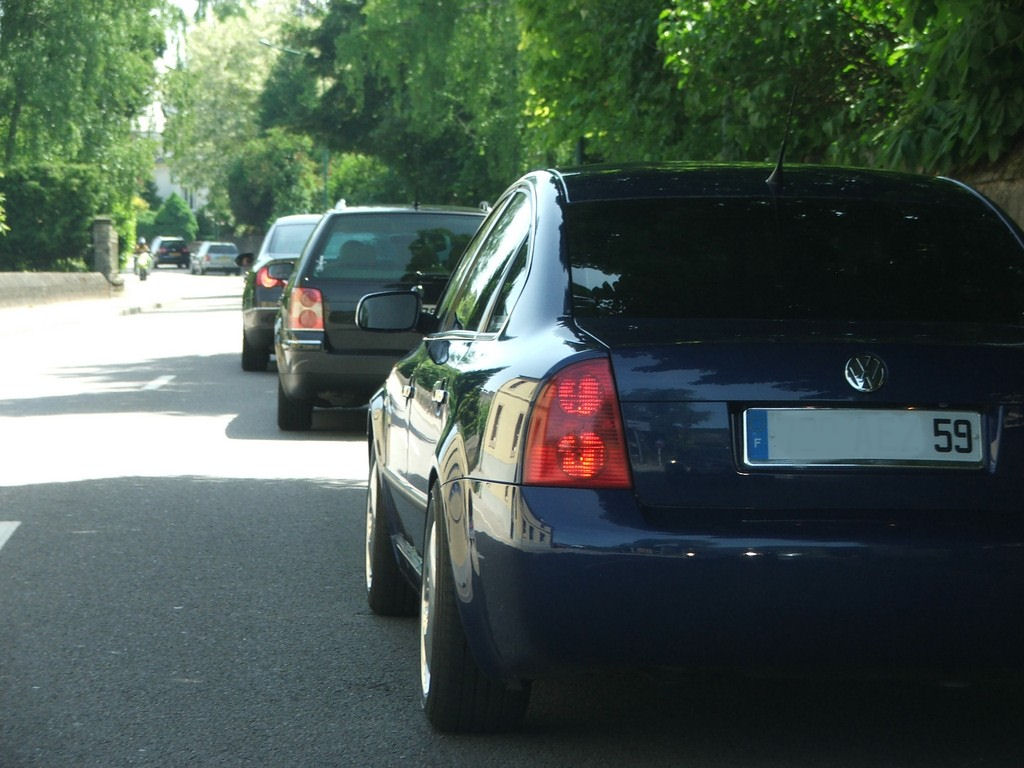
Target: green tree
(428, 89)
(212, 97)
(595, 83)
(364, 180)
(73, 74)
(50, 207)
(962, 99)
(176, 218)
(929, 85)
(273, 176)
(740, 65)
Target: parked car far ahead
(683, 417)
(170, 250)
(265, 277)
(323, 359)
(215, 257)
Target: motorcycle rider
(143, 259)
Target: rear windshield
(391, 246)
(289, 238)
(223, 249)
(799, 259)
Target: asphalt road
(181, 585)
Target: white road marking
(158, 382)
(6, 529)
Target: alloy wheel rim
(426, 614)
(371, 506)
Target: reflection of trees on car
(434, 252)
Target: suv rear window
(390, 246)
(800, 259)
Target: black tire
(457, 697)
(293, 415)
(387, 590)
(253, 358)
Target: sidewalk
(135, 296)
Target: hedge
(50, 208)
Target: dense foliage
(280, 106)
(50, 208)
(962, 100)
(458, 97)
(175, 218)
(73, 76)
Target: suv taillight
(306, 310)
(264, 279)
(575, 436)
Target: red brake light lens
(575, 434)
(265, 280)
(306, 310)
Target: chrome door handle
(440, 395)
(407, 391)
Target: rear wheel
(253, 358)
(387, 591)
(457, 696)
(293, 415)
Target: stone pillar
(106, 259)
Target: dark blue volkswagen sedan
(680, 416)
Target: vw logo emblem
(865, 373)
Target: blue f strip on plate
(757, 435)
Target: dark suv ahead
(264, 281)
(323, 359)
(171, 250)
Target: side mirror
(390, 311)
(245, 260)
(280, 270)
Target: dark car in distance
(265, 276)
(323, 359)
(684, 416)
(170, 250)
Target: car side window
(465, 306)
(511, 286)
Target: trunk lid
(686, 388)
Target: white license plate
(804, 437)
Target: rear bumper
(180, 261)
(309, 372)
(554, 579)
(219, 265)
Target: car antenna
(774, 180)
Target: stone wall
(29, 289)
(1004, 184)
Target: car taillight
(575, 435)
(306, 310)
(265, 280)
